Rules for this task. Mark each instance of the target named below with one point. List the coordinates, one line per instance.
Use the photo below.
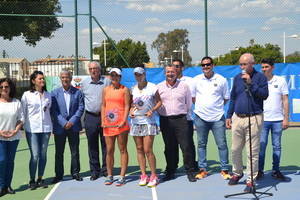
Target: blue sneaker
(121, 181)
(109, 180)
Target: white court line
(154, 193)
(52, 191)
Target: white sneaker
(143, 180)
(153, 181)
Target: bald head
(248, 57)
(246, 62)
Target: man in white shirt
(210, 93)
(276, 115)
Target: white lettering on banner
(296, 106)
(291, 82)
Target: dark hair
(33, 77)
(207, 58)
(180, 61)
(140, 65)
(12, 86)
(268, 61)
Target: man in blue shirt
(92, 88)
(250, 89)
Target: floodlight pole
(91, 29)
(76, 37)
(206, 27)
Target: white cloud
(237, 32)
(153, 7)
(280, 20)
(186, 22)
(153, 29)
(66, 19)
(265, 28)
(109, 30)
(153, 20)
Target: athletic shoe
(278, 175)
(225, 174)
(202, 174)
(143, 180)
(121, 181)
(153, 181)
(260, 175)
(235, 179)
(249, 187)
(109, 180)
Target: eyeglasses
(243, 64)
(206, 65)
(5, 87)
(177, 66)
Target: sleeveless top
(114, 111)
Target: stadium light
(295, 36)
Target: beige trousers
(240, 138)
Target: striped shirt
(176, 99)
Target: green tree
(259, 51)
(166, 43)
(293, 57)
(134, 53)
(32, 29)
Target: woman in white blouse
(11, 118)
(36, 105)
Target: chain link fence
(48, 43)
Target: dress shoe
(3, 192)
(168, 176)
(103, 173)
(77, 177)
(41, 183)
(94, 177)
(56, 180)
(191, 177)
(10, 190)
(32, 185)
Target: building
(53, 66)
(15, 68)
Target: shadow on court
(211, 188)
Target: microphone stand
(253, 188)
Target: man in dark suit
(67, 109)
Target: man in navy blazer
(67, 109)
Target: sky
(232, 23)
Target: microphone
(244, 79)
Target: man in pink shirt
(176, 102)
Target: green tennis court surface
(179, 188)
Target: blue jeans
(38, 145)
(276, 131)
(218, 129)
(7, 161)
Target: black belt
(175, 116)
(94, 114)
(246, 115)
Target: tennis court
(212, 187)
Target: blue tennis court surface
(211, 188)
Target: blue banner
(290, 71)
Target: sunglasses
(5, 87)
(206, 65)
(177, 66)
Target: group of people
(107, 104)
